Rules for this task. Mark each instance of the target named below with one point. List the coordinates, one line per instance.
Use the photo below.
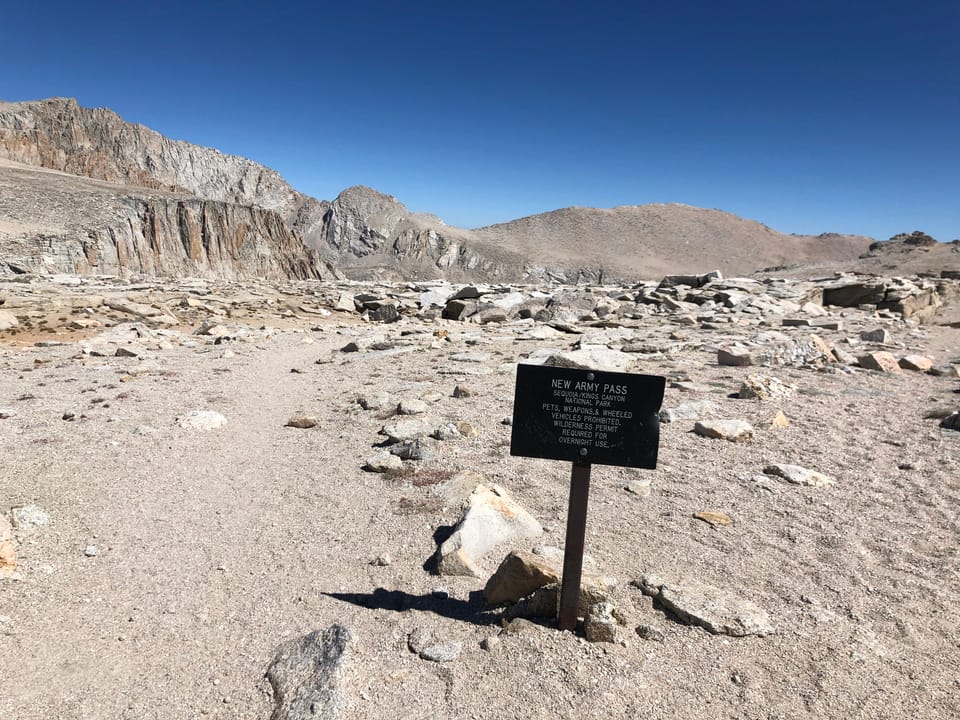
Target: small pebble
(490, 643)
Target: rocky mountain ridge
(52, 222)
(368, 234)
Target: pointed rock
(307, 675)
(520, 574)
(882, 361)
(491, 518)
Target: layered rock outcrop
(367, 232)
(57, 223)
(97, 143)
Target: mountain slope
(652, 240)
(369, 234)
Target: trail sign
(587, 416)
(584, 416)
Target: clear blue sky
(808, 116)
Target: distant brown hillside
(651, 240)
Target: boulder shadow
(440, 535)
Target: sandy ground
(215, 547)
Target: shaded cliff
(54, 222)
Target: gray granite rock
(201, 420)
(599, 624)
(689, 411)
(7, 320)
(411, 406)
(797, 475)
(28, 519)
(307, 675)
(718, 611)
(407, 429)
(383, 462)
(425, 645)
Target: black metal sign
(587, 416)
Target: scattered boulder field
(297, 499)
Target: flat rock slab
(881, 361)
(424, 644)
(402, 430)
(732, 430)
(592, 357)
(797, 475)
(689, 411)
(491, 518)
(201, 420)
(307, 675)
(717, 611)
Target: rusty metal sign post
(586, 417)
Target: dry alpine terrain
(181, 209)
(199, 472)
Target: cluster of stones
(708, 301)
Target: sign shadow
(472, 610)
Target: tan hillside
(647, 241)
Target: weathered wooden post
(586, 417)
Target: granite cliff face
(365, 232)
(173, 208)
(58, 223)
(97, 143)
